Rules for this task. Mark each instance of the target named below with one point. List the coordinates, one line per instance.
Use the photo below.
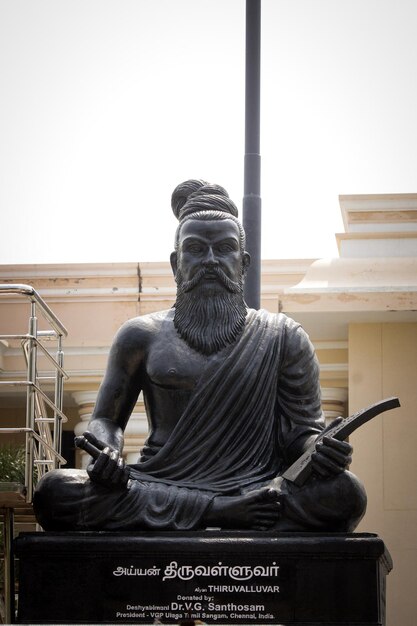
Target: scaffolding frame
(44, 419)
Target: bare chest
(172, 364)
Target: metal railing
(44, 415)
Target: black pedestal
(214, 577)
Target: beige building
(360, 310)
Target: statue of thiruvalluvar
(232, 397)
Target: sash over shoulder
(225, 440)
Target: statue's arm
(121, 385)
(300, 401)
(300, 417)
(115, 401)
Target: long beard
(209, 318)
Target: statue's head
(209, 264)
(207, 216)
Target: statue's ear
(245, 262)
(174, 264)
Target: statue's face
(210, 310)
(208, 244)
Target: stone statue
(232, 397)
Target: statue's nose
(210, 259)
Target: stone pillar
(3, 347)
(135, 433)
(334, 401)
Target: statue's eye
(195, 248)
(225, 248)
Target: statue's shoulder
(141, 330)
(276, 321)
(291, 333)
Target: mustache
(228, 283)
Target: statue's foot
(256, 510)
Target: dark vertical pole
(252, 174)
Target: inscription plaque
(233, 590)
(208, 577)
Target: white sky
(105, 105)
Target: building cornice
(67, 270)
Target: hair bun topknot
(182, 191)
(195, 195)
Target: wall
(383, 363)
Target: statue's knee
(44, 497)
(353, 495)
(48, 486)
(55, 495)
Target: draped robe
(246, 420)
(244, 414)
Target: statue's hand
(108, 468)
(331, 456)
